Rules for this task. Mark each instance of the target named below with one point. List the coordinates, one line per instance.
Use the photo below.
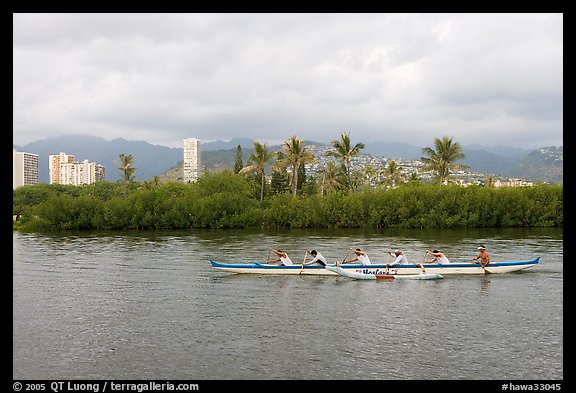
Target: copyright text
(98, 387)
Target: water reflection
(150, 306)
(484, 286)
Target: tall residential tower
(54, 162)
(191, 160)
(24, 169)
(65, 170)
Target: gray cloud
(492, 79)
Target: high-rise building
(191, 160)
(54, 161)
(24, 169)
(65, 170)
(77, 173)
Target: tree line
(228, 200)
(339, 197)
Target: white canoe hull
(431, 268)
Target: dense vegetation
(228, 200)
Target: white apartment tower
(191, 160)
(24, 169)
(78, 173)
(65, 170)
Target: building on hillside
(64, 169)
(24, 169)
(513, 183)
(191, 167)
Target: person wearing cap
(400, 259)
(318, 258)
(361, 256)
(437, 257)
(483, 256)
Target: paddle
(344, 260)
(268, 257)
(423, 261)
(486, 271)
(421, 266)
(304, 260)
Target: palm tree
(150, 184)
(128, 171)
(356, 179)
(413, 177)
(489, 181)
(331, 176)
(295, 153)
(441, 160)
(258, 159)
(392, 174)
(344, 151)
(370, 174)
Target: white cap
(481, 248)
(396, 251)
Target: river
(148, 305)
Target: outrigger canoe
(364, 276)
(413, 269)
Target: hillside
(153, 160)
(545, 164)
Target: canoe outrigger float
(364, 276)
(412, 269)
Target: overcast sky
(488, 79)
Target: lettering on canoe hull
(376, 271)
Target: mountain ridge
(154, 160)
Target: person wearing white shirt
(437, 257)
(400, 259)
(361, 256)
(283, 258)
(318, 258)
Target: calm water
(150, 306)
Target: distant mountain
(485, 161)
(496, 160)
(231, 144)
(392, 149)
(154, 160)
(410, 152)
(149, 160)
(503, 151)
(546, 163)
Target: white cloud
(483, 78)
